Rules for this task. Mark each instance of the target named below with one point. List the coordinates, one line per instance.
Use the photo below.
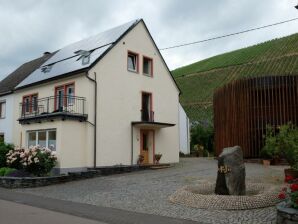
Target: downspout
(95, 115)
(131, 144)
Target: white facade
(184, 131)
(7, 120)
(119, 103)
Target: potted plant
(266, 156)
(157, 157)
(288, 144)
(272, 149)
(140, 159)
(287, 210)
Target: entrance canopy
(151, 125)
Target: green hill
(199, 80)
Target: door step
(158, 167)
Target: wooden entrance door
(144, 150)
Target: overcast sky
(29, 28)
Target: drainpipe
(95, 115)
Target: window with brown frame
(64, 96)
(2, 109)
(147, 66)
(30, 103)
(132, 62)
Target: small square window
(132, 62)
(147, 66)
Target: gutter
(95, 116)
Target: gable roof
(8, 84)
(69, 59)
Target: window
(64, 96)
(2, 109)
(30, 103)
(1, 137)
(43, 138)
(147, 66)
(132, 62)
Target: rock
(231, 172)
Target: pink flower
(288, 178)
(294, 187)
(282, 195)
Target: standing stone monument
(231, 172)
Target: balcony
(147, 115)
(55, 107)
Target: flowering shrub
(36, 160)
(290, 195)
(289, 179)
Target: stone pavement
(148, 191)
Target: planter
(286, 215)
(291, 172)
(266, 162)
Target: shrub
(4, 149)
(282, 142)
(270, 149)
(202, 135)
(36, 160)
(4, 171)
(290, 195)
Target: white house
(184, 131)
(7, 104)
(102, 101)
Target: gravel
(148, 191)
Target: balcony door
(65, 97)
(59, 98)
(147, 113)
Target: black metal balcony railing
(147, 115)
(71, 106)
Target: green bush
(282, 142)
(4, 149)
(270, 149)
(4, 171)
(202, 135)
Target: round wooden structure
(243, 109)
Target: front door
(147, 145)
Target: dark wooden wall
(243, 108)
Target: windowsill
(133, 71)
(148, 75)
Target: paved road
(148, 191)
(14, 213)
(73, 211)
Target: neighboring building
(184, 131)
(102, 101)
(7, 86)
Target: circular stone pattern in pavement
(258, 195)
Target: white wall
(184, 131)
(6, 124)
(119, 102)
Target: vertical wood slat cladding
(243, 109)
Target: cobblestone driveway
(148, 191)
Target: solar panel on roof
(74, 56)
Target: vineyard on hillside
(199, 80)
